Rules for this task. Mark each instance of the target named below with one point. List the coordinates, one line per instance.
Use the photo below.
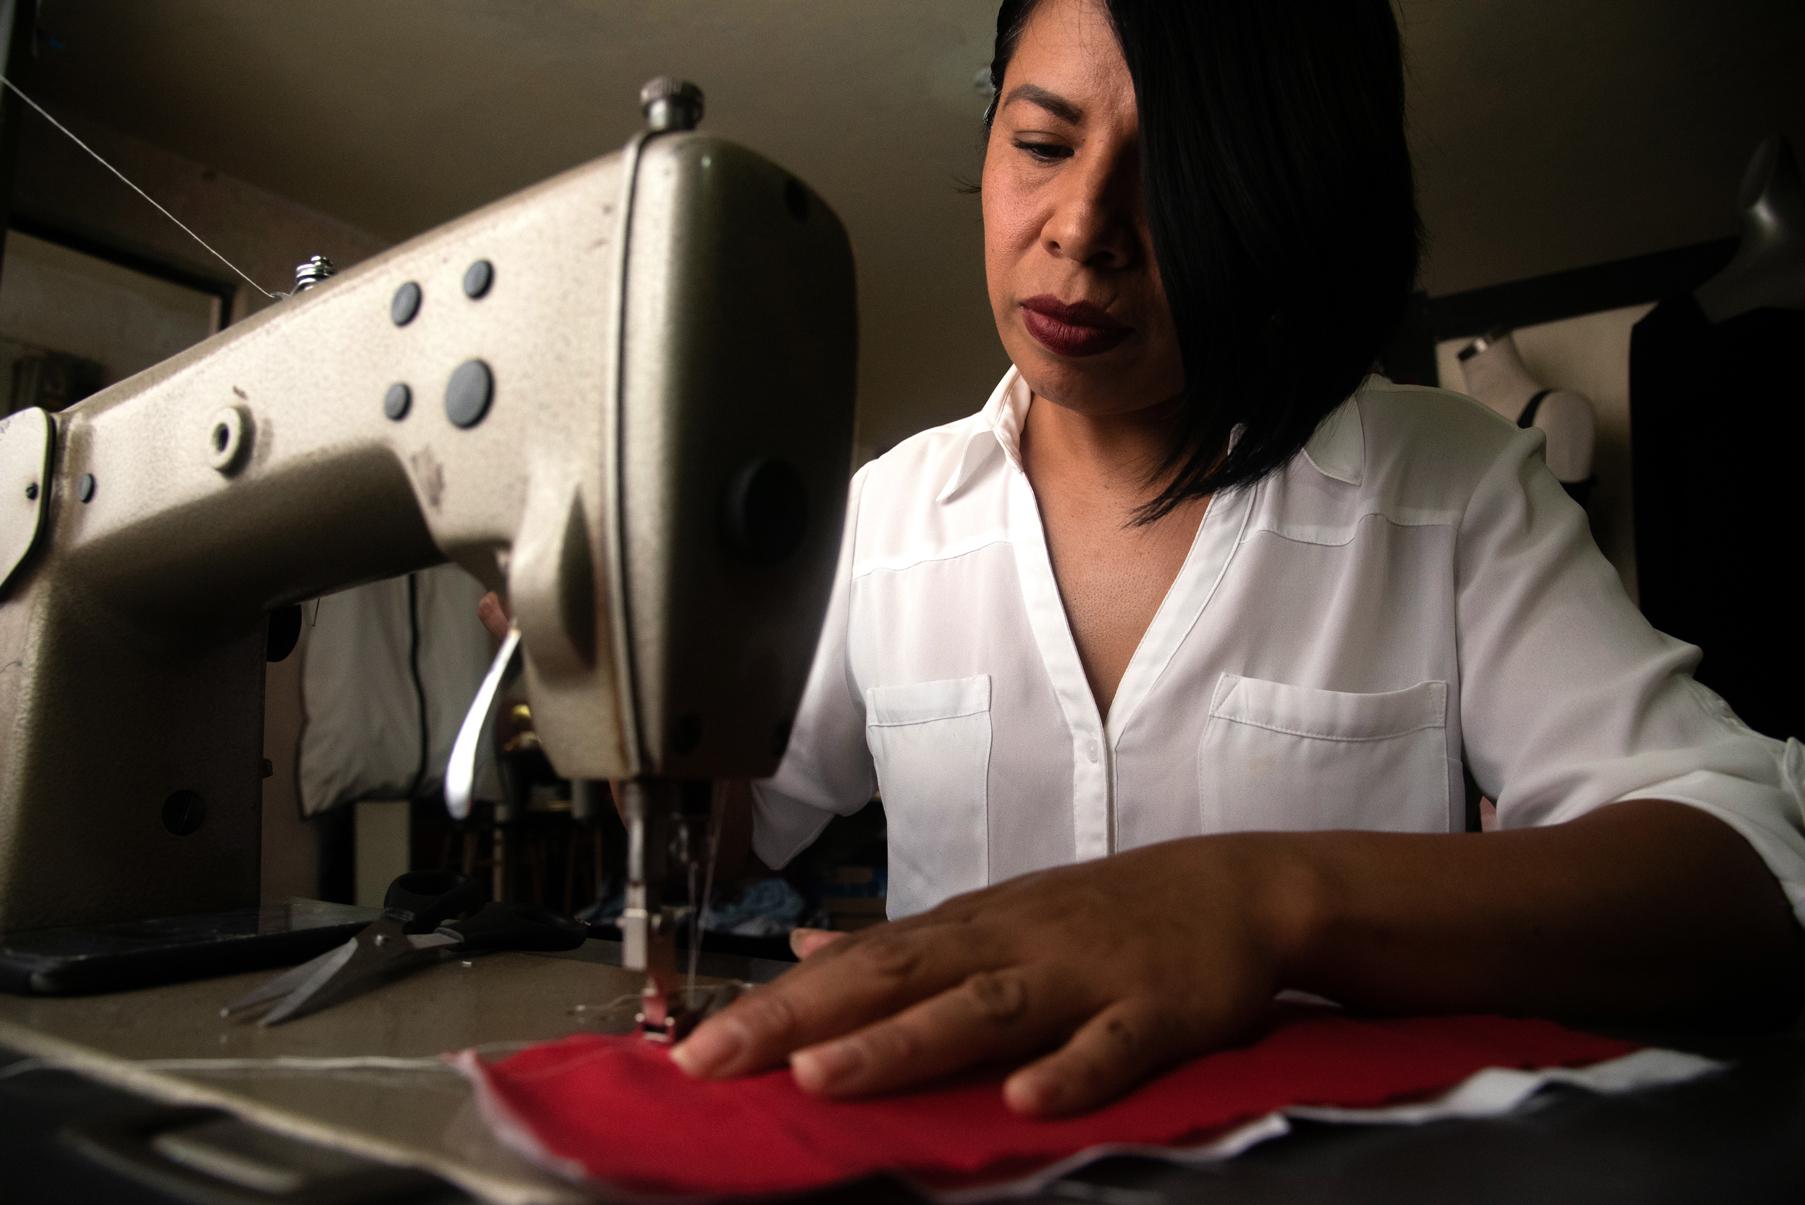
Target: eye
(1043, 152)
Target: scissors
(425, 914)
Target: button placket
(1091, 822)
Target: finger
(992, 1015)
(1111, 1053)
(804, 942)
(493, 615)
(870, 975)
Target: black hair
(1282, 210)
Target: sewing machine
(622, 397)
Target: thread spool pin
(670, 103)
(311, 273)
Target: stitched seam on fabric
(853, 690)
(1447, 788)
(1509, 448)
(1353, 530)
(989, 542)
(928, 719)
(1460, 652)
(1111, 729)
(1353, 403)
(1323, 736)
(1050, 631)
(990, 740)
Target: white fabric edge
(506, 1125)
(1498, 1090)
(1490, 1092)
(1223, 1147)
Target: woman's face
(1073, 284)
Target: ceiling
(1549, 134)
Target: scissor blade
(433, 941)
(281, 985)
(310, 994)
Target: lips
(1072, 328)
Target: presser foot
(668, 1017)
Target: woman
(1174, 593)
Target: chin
(1093, 385)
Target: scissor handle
(517, 927)
(422, 900)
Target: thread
(70, 134)
(718, 804)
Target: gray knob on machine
(670, 103)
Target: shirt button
(1092, 750)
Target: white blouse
(1411, 601)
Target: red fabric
(617, 1107)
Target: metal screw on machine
(312, 272)
(670, 103)
(229, 440)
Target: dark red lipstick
(1072, 328)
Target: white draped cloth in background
(363, 734)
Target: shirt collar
(1337, 450)
(998, 432)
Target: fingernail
(820, 1067)
(710, 1049)
(1029, 1094)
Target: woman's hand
(1117, 967)
(1121, 966)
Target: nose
(1095, 218)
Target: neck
(1497, 376)
(1113, 454)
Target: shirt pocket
(930, 742)
(1277, 757)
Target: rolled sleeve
(826, 768)
(1569, 699)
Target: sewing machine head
(623, 397)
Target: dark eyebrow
(1052, 102)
